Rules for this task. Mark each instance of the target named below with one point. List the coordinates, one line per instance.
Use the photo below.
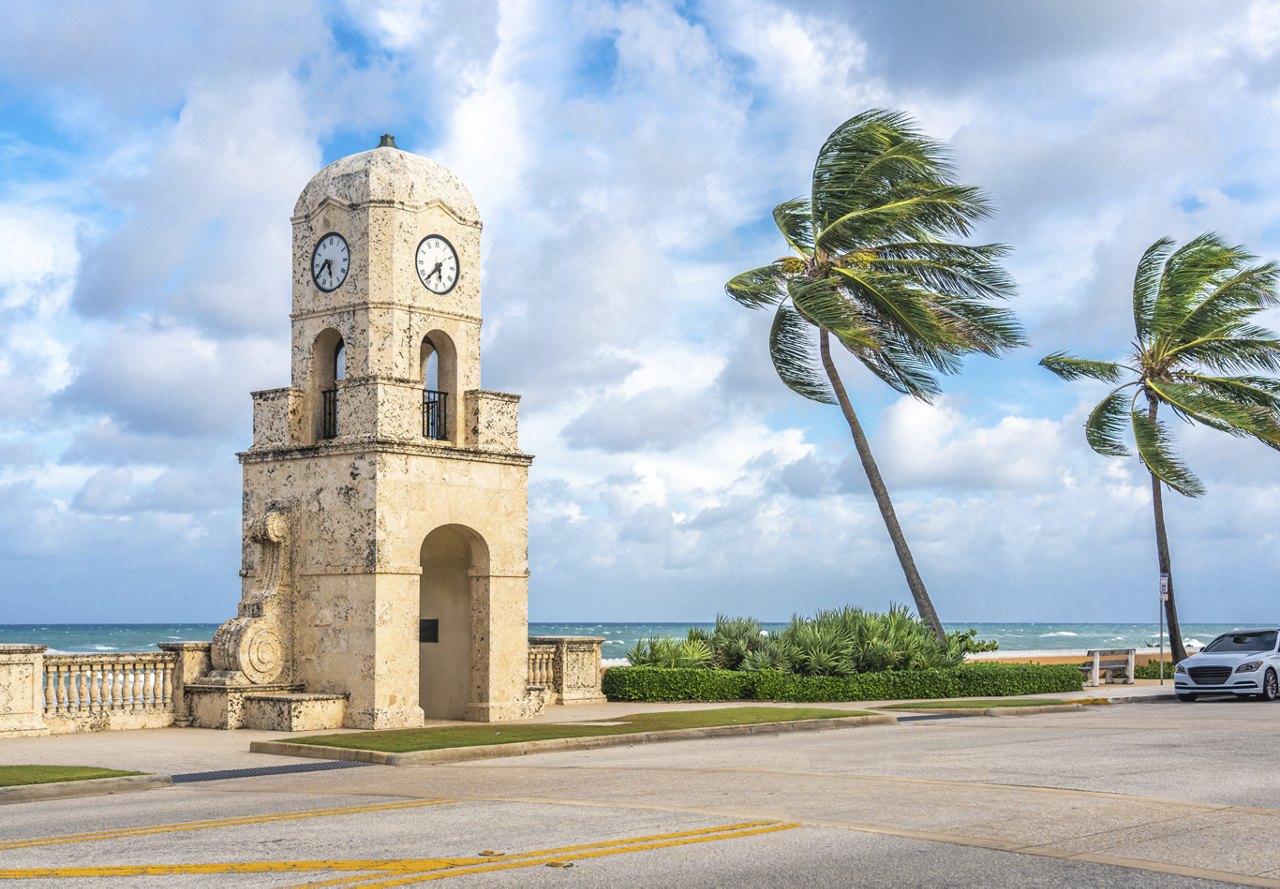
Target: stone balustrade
(542, 663)
(568, 667)
(62, 693)
(94, 692)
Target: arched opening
(454, 559)
(438, 365)
(329, 369)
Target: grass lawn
(970, 704)
(11, 776)
(409, 739)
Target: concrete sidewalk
(174, 751)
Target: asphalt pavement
(1157, 794)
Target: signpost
(1164, 597)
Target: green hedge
(969, 680)
(1151, 670)
(678, 684)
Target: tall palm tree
(1197, 351)
(874, 268)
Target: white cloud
(624, 157)
(933, 445)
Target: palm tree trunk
(1176, 648)
(924, 606)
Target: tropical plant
(840, 642)
(874, 267)
(1198, 351)
(733, 639)
(663, 651)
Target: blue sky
(625, 158)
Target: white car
(1242, 662)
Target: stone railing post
(22, 690)
(575, 668)
(542, 665)
(193, 662)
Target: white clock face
(437, 264)
(330, 261)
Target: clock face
(437, 264)
(330, 261)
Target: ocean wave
(1063, 633)
(104, 648)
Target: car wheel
(1187, 698)
(1270, 687)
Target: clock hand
(327, 264)
(436, 270)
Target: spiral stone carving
(250, 646)
(261, 653)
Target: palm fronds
(1198, 353)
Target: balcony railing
(329, 413)
(433, 414)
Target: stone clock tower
(385, 494)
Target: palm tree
(1198, 351)
(873, 268)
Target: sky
(625, 157)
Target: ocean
(620, 637)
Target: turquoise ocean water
(619, 637)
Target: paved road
(1164, 795)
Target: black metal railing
(329, 413)
(433, 408)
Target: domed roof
(387, 174)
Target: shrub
(1151, 670)
(842, 642)
(734, 639)
(663, 651)
(688, 684)
(969, 680)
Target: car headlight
(1179, 669)
(1248, 666)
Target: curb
(24, 793)
(1031, 711)
(995, 711)
(523, 748)
(1160, 697)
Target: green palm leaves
(874, 268)
(1197, 351)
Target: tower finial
(388, 141)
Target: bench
(1104, 663)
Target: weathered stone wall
(492, 422)
(21, 697)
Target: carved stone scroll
(253, 648)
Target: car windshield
(1264, 640)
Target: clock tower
(385, 503)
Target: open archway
(328, 369)
(438, 365)
(454, 562)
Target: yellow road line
(576, 856)
(180, 827)
(227, 867)
(559, 852)
(406, 870)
